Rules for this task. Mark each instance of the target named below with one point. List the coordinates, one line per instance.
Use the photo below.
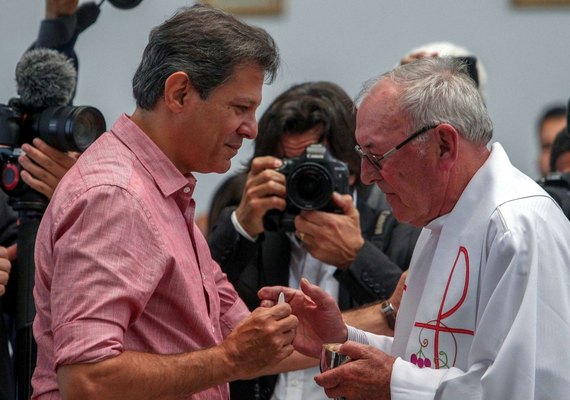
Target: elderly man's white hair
(450, 49)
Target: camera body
(310, 181)
(67, 128)
(557, 185)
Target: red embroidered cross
(438, 325)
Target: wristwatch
(389, 312)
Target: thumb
(345, 202)
(321, 298)
(352, 349)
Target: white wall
(525, 51)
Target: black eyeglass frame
(375, 160)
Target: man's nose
(368, 173)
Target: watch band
(389, 313)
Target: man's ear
(448, 141)
(177, 91)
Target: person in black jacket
(358, 255)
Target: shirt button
(203, 276)
(213, 329)
(186, 189)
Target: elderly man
(487, 302)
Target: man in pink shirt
(129, 303)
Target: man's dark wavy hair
(304, 106)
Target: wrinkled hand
(264, 190)
(5, 267)
(332, 238)
(319, 317)
(366, 376)
(44, 166)
(262, 339)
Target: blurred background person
(475, 67)
(560, 153)
(551, 121)
(557, 181)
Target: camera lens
(310, 186)
(70, 128)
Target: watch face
(389, 313)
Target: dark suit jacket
(372, 276)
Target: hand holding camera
(44, 166)
(333, 238)
(310, 181)
(307, 194)
(264, 190)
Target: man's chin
(223, 167)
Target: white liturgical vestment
(486, 307)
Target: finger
(259, 164)
(271, 293)
(60, 157)
(5, 265)
(353, 350)
(38, 184)
(12, 251)
(316, 294)
(3, 252)
(329, 379)
(267, 303)
(30, 163)
(280, 312)
(345, 202)
(4, 276)
(38, 163)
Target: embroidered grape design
(422, 362)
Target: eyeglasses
(375, 160)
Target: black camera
(67, 128)
(310, 181)
(557, 185)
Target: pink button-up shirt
(120, 264)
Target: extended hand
(319, 317)
(44, 166)
(262, 339)
(332, 238)
(366, 376)
(264, 190)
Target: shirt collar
(167, 177)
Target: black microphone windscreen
(45, 78)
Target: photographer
(557, 182)
(357, 255)
(43, 166)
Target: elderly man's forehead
(381, 103)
